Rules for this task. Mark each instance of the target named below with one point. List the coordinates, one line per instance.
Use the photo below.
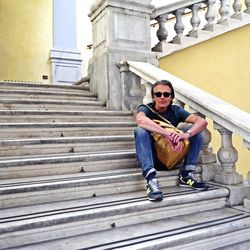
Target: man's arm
(198, 125)
(144, 122)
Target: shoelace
(154, 185)
(192, 176)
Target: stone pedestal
(66, 66)
(121, 32)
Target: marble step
(36, 146)
(26, 191)
(65, 129)
(40, 86)
(31, 104)
(109, 220)
(39, 165)
(238, 240)
(21, 116)
(46, 94)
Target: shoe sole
(199, 189)
(156, 199)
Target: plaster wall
(221, 67)
(84, 32)
(26, 31)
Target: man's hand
(176, 145)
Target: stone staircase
(70, 180)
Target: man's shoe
(191, 181)
(153, 191)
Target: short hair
(163, 82)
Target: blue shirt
(174, 113)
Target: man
(162, 95)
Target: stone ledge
(219, 29)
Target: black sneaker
(153, 191)
(191, 181)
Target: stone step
(30, 104)
(39, 165)
(40, 86)
(112, 220)
(160, 234)
(238, 240)
(21, 116)
(9, 94)
(38, 190)
(19, 147)
(65, 129)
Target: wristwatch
(190, 133)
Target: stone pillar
(121, 32)
(227, 156)
(65, 59)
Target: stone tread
(70, 157)
(38, 85)
(170, 230)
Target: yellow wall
(26, 32)
(220, 66)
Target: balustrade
(221, 169)
(247, 3)
(207, 19)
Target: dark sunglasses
(165, 94)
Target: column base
(210, 170)
(228, 178)
(66, 66)
(246, 204)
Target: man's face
(162, 102)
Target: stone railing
(203, 15)
(226, 118)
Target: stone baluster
(207, 158)
(162, 33)
(237, 9)
(227, 156)
(224, 10)
(246, 144)
(147, 98)
(179, 26)
(247, 3)
(195, 20)
(179, 103)
(207, 155)
(210, 15)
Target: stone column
(227, 156)
(121, 32)
(64, 57)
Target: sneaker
(191, 181)
(153, 191)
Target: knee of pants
(141, 132)
(198, 138)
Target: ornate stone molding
(66, 66)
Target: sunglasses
(165, 94)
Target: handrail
(221, 112)
(172, 6)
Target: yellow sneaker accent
(190, 182)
